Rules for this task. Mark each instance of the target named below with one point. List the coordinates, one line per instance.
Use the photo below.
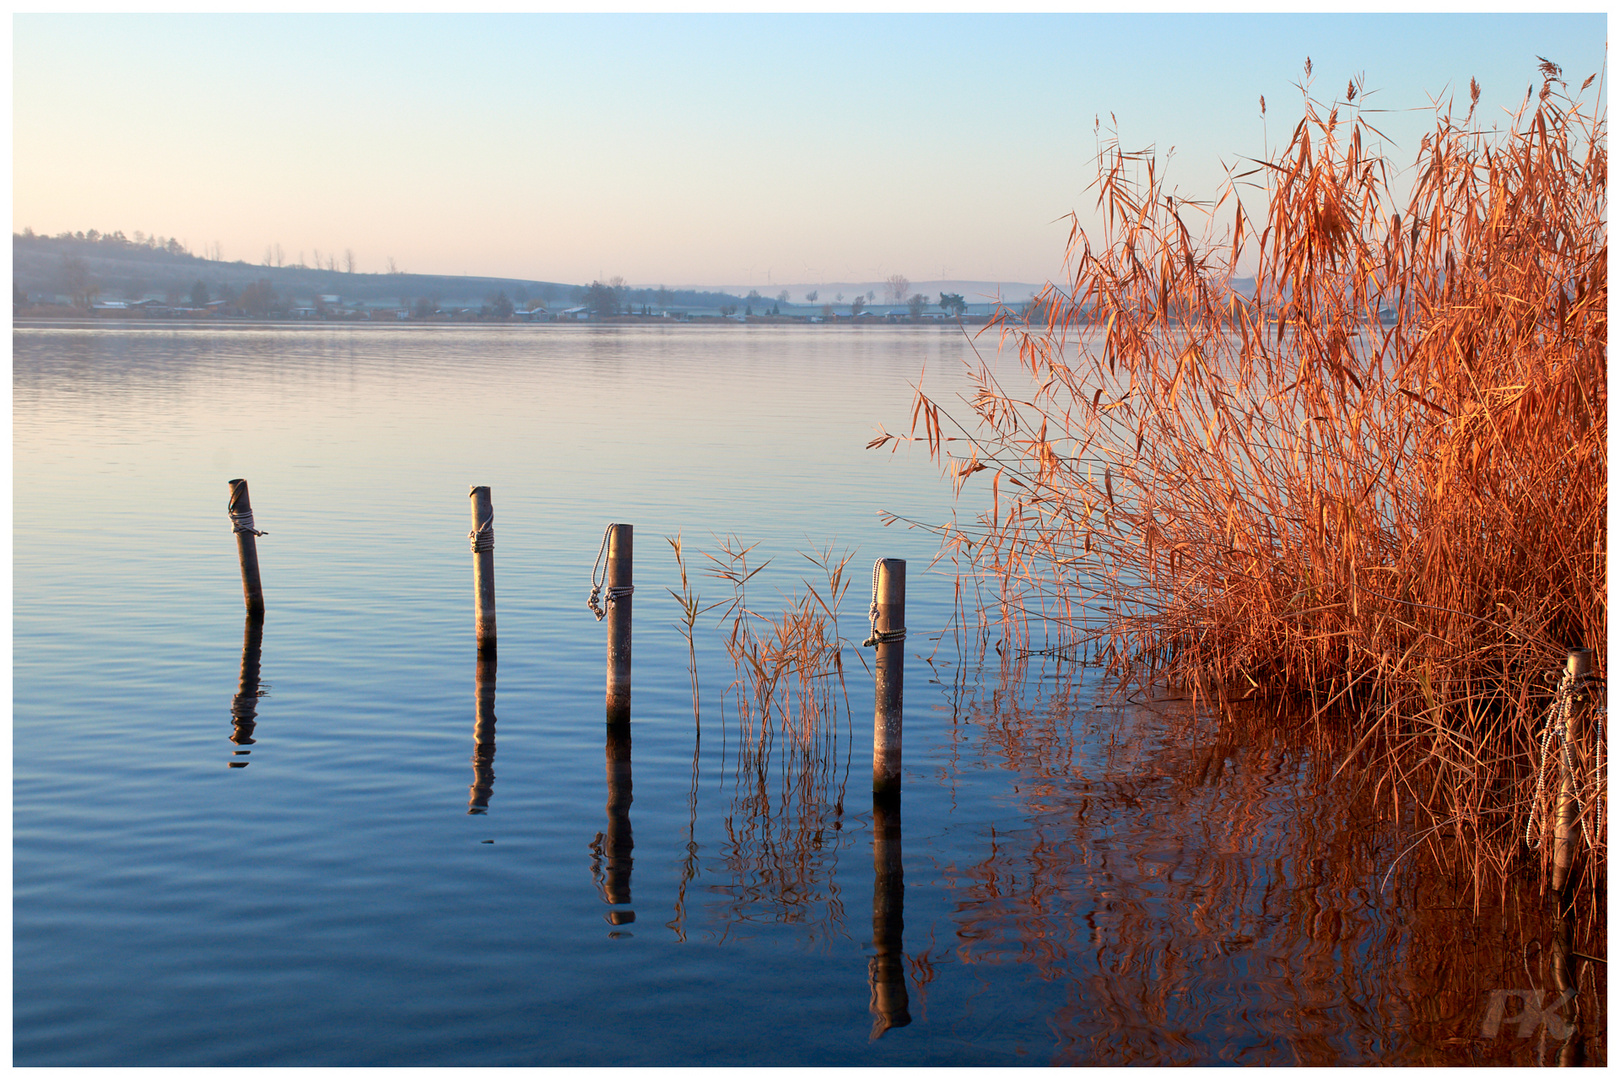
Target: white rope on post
(614, 593)
(242, 521)
(482, 538)
(879, 637)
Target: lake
(335, 840)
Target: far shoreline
(57, 321)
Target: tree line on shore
(77, 274)
(86, 273)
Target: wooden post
(240, 508)
(886, 970)
(620, 553)
(483, 759)
(889, 676)
(482, 539)
(245, 705)
(1566, 823)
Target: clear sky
(674, 149)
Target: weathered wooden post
(888, 634)
(483, 759)
(240, 508)
(886, 970)
(245, 705)
(620, 586)
(482, 540)
(1567, 823)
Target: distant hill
(71, 270)
(79, 270)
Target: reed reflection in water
(612, 852)
(1204, 885)
(245, 705)
(783, 830)
(483, 759)
(689, 861)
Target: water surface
(393, 857)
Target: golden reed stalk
(1373, 481)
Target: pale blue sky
(690, 149)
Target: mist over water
(339, 839)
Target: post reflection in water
(611, 852)
(483, 759)
(886, 970)
(245, 705)
(1565, 983)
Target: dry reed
(790, 665)
(790, 768)
(1374, 480)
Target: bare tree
(76, 275)
(348, 260)
(603, 300)
(393, 268)
(898, 287)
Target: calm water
(1070, 879)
